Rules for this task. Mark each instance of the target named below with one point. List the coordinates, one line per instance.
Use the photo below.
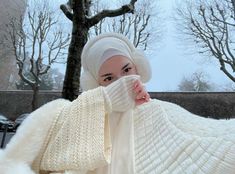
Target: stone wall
(15, 103)
(215, 104)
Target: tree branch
(223, 68)
(218, 19)
(233, 5)
(67, 11)
(129, 8)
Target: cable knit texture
(171, 140)
(77, 140)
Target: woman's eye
(108, 79)
(127, 70)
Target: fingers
(147, 97)
(141, 95)
(139, 102)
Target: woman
(114, 127)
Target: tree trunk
(73, 69)
(35, 98)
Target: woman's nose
(119, 76)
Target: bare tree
(137, 27)
(186, 85)
(78, 11)
(36, 42)
(196, 82)
(210, 24)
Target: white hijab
(104, 46)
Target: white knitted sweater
(167, 138)
(171, 140)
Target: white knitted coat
(171, 140)
(168, 140)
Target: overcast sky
(169, 60)
(173, 60)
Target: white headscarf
(102, 47)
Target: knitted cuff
(120, 95)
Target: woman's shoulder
(56, 102)
(53, 105)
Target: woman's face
(114, 68)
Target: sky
(172, 60)
(169, 58)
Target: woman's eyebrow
(125, 66)
(108, 74)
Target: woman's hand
(142, 96)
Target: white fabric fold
(122, 137)
(122, 160)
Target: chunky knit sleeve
(120, 95)
(80, 138)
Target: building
(8, 69)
